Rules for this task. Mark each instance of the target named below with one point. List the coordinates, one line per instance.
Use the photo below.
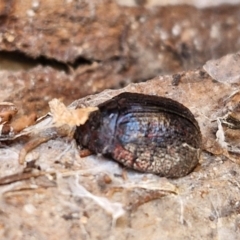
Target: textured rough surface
(125, 44)
(32, 90)
(60, 195)
(97, 47)
(146, 133)
(95, 198)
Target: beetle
(143, 132)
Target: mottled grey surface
(95, 198)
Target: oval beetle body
(146, 133)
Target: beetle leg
(85, 153)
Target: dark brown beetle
(146, 133)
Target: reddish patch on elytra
(142, 164)
(123, 156)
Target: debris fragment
(62, 115)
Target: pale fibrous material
(95, 198)
(73, 117)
